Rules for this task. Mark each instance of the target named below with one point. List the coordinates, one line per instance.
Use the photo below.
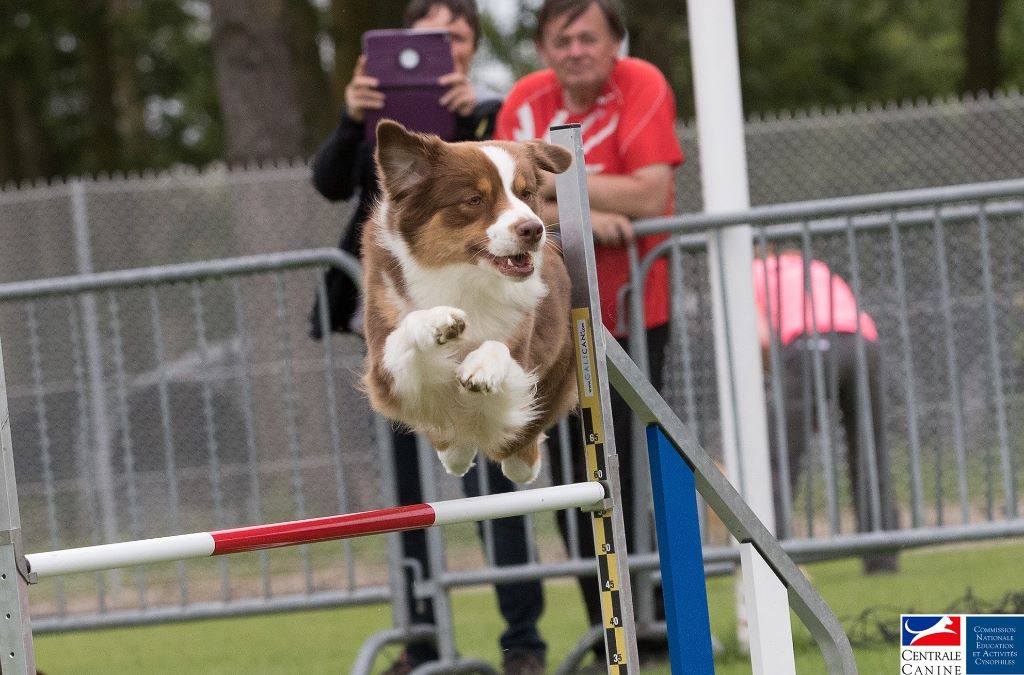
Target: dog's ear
(553, 158)
(403, 157)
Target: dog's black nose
(530, 230)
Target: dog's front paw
(457, 461)
(436, 326)
(485, 368)
(519, 470)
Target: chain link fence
(118, 222)
(941, 280)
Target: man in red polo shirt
(627, 113)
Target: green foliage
(1011, 44)
(103, 85)
(802, 54)
(512, 47)
(105, 90)
(799, 54)
(169, 41)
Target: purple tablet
(408, 64)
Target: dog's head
(474, 203)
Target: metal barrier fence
(938, 270)
(190, 398)
(161, 400)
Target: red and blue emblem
(930, 631)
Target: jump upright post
(595, 406)
(678, 526)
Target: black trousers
(657, 339)
(521, 603)
(838, 353)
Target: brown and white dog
(467, 298)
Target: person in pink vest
(811, 309)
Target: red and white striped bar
(381, 521)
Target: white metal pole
(713, 47)
(311, 530)
(99, 455)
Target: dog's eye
(528, 194)
(475, 200)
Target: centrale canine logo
(930, 631)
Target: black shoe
(881, 563)
(523, 663)
(400, 666)
(652, 652)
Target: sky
(502, 10)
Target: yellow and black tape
(604, 544)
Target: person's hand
(460, 97)
(362, 93)
(611, 229)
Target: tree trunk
(8, 145)
(317, 104)
(94, 38)
(129, 122)
(29, 156)
(255, 80)
(981, 45)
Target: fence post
(17, 656)
(96, 458)
(740, 385)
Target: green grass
(327, 641)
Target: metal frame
(17, 656)
(595, 405)
(935, 209)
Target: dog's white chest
(494, 308)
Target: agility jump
(680, 467)
(312, 530)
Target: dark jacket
(344, 164)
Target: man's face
(582, 53)
(461, 35)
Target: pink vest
(828, 303)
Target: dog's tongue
(521, 260)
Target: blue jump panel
(682, 563)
